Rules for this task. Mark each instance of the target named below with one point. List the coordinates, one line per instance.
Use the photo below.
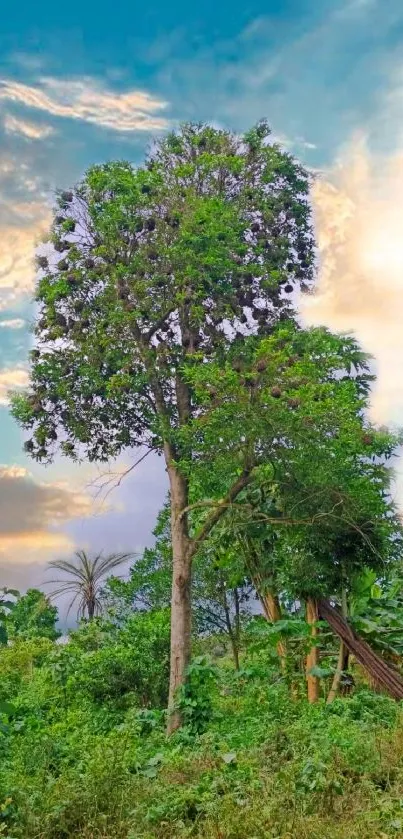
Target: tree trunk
(181, 593)
(342, 661)
(382, 673)
(235, 650)
(312, 658)
(232, 631)
(272, 610)
(338, 674)
(237, 616)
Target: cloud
(29, 507)
(32, 514)
(12, 378)
(88, 101)
(12, 323)
(360, 239)
(18, 243)
(29, 130)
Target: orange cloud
(32, 513)
(18, 243)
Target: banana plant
(376, 610)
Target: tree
(6, 608)
(84, 579)
(33, 617)
(152, 270)
(324, 511)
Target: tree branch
(220, 509)
(156, 326)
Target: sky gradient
(81, 83)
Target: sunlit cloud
(18, 243)
(27, 129)
(359, 226)
(87, 100)
(29, 505)
(12, 378)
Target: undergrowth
(250, 762)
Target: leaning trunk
(312, 659)
(181, 594)
(380, 672)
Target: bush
(109, 664)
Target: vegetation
(84, 752)
(26, 616)
(165, 324)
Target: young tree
(33, 616)
(151, 270)
(84, 578)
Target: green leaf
(7, 708)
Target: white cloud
(29, 130)
(12, 323)
(12, 378)
(360, 237)
(89, 101)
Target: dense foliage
(82, 757)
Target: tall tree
(153, 269)
(84, 579)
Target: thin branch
(220, 509)
(113, 480)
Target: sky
(86, 82)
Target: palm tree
(84, 580)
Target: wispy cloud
(88, 101)
(27, 129)
(12, 323)
(12, 378)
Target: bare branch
(113, 480)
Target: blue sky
(82, 82)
